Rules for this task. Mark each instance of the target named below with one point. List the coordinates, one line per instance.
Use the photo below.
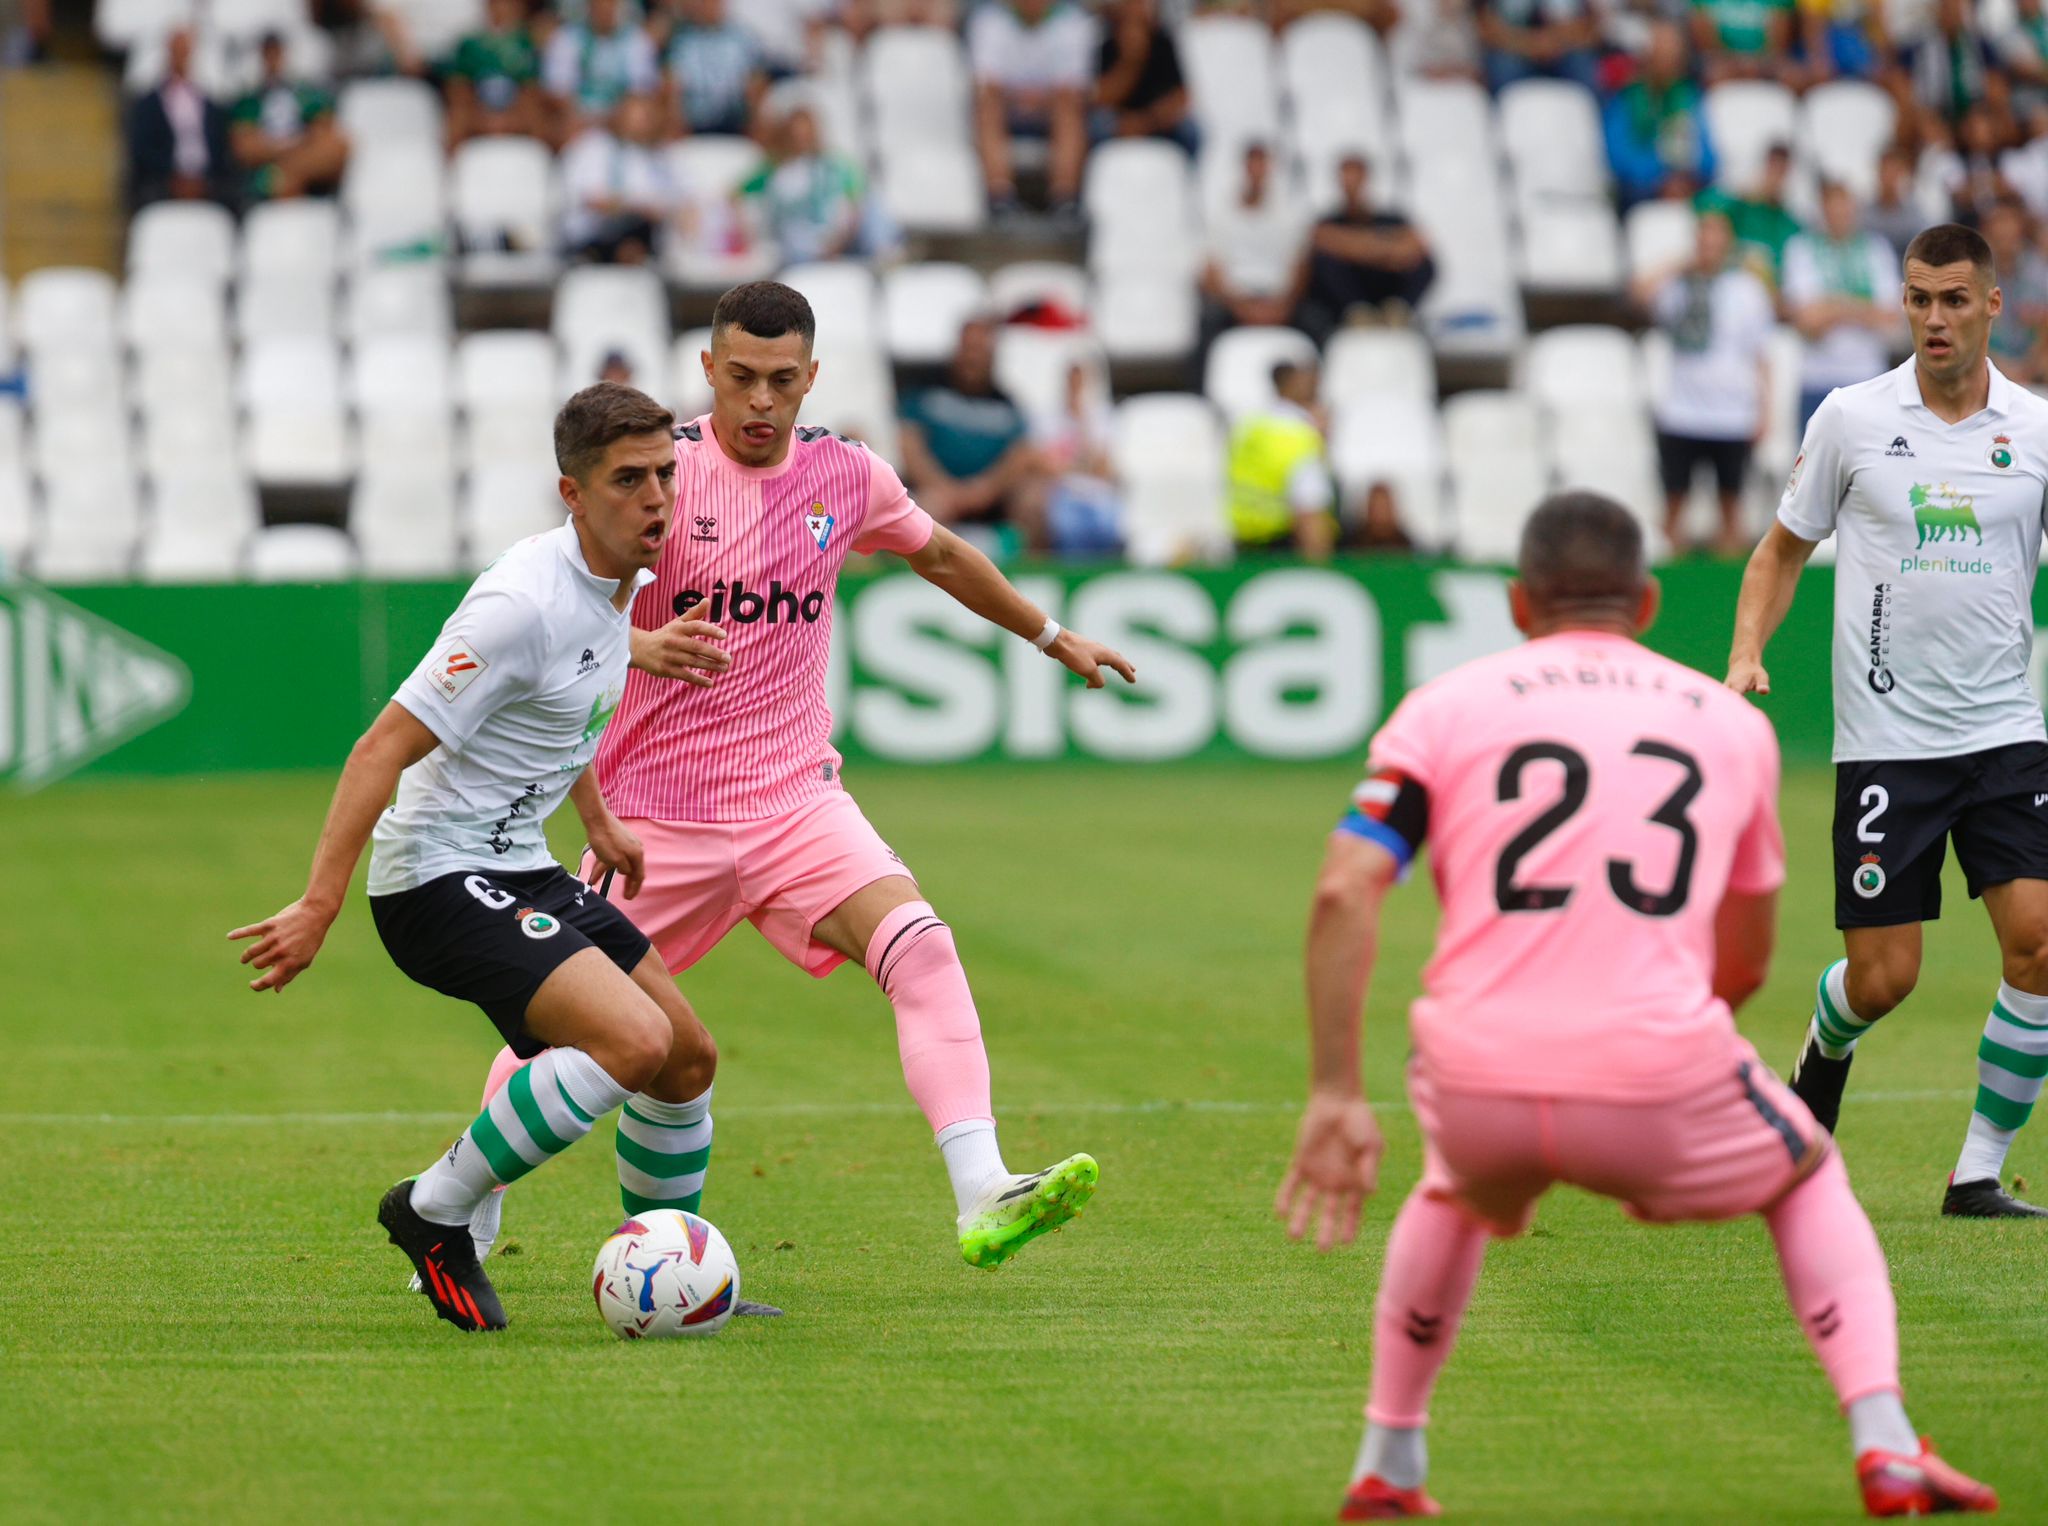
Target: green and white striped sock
(664, 1149)
(1835, 1027)
(2012, 1059)
(543, 1109)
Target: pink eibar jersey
(1589, 803)
(764, 545)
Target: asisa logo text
(743, 606)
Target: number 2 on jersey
(1621, 874)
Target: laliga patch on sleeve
(455, 669)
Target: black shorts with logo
(1893, 820)
(493, 938)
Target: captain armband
(1391, 809)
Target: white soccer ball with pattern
(665, 1272)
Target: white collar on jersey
(1999, 400)
(572, 553)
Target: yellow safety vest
(1264, 451)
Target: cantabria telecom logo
(1943, 514)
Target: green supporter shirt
(1743, 26)
(498, 65)
(1764, 228)
(282, 110)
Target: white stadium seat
(83, 382)
(1550, 129)
(917, 86)
(1584, 365)
(1238, 377)
(178, 553)
(302, 237)
(17, 515)
(1336, 80)
(403, 523)
(67, 306)
(855, 395)
(297, 429)
(195, 436)
(689, 395)
(505, 367)
(284, 303)
(1167, 450)
(1139, 194)
(501, 193)
(214, 495)
(1363, 362)
(395, 195)
(1745, 117)
(92, 518)
(410, 298)
(1613, 452)
(436, 26)
(1571, 247)
(1228, 62)
(602, 308)
(1032, 366)
(401, 374)
(844, 299)
(1141, 315)
(247, 20)
(502, 504)
(193, 239)
(707, 170)
(1025, 281)
(1493, 445)
(1659, 235)
(167, 309)
(181, 378)
(1447, 122)
(395, 110)
(1474, 306)
(1844, 126)
(1395, 438)
(120, 24)
(923, 307)
(214, 66)
(301, 554)
(932, 187)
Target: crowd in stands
(1722, 221)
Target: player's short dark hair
(767, 310)
(1950, 244)
(1581, 548)
(596, 416)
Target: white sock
(449, 1190)
(2011, 1060)
(1835, 1027)
(483, 1224)
(1985, 1147)
(972, 1158)
(1878, 1423)
(1396, 1454)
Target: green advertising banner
(1271, 661)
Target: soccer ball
(665, 1272)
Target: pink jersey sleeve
(1405, 743)
(894, 522)
(1758, 867)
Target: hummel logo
(706, 528)
(1899, 447)
(1423, 1329)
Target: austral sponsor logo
(1880, 674)
(1898, 447)
(742, 605)
(588, 663)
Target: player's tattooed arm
(287, 942)
(612, 844)
(689, 648)
(970, 579)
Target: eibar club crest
(2001, 451)
(820, 524)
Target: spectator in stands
(813, 204)
(1381, 15)
(860, 17)
(1282, 496)
(589, 67)
(1034, 65)
(178, 138)
(1842, 293)
(1715, 402)
(1256, 269)
(2023, 50)
(1362, 263)
(1894, 214)
(1742, 39)
(1839, 38)
(1950, 63)
(1972, 171)
(967, 451)
(617, 366)
(1763, 225)
(1379, 526)
(1656, 125)
(1140, 91)
(1538, 39)
(715, 76)
(493, 79)
(1084, 511)
(285, 135)
(616, 189)
(2019, 336)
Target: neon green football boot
(1015, 1210)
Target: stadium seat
(1612, 452)
(923, 307)
(13, 431)
(855, 395)
(708, 168)
(1238, 377)
(1360, 362)
(178, 553)
(501, 193)
(283, 304)
(91, 520)
(395, 195)
(403, 523)
(1139, 195)
(1145, 316)
(245, 21)
(6, 327)
(932, 188)
(410, 298)
(1550, 129)
(302, 237)
(1775, 451)
(1584, 365)
(917, 86)
(67, 306)
(396, 110)
(192, 435)
(120, 24)
(1659, 236)
(1395, 438)
(602, 308)
(833, 99)
(1446, 122)
(1167, 450)
(401, 373)
(192, 239)
(214, 495)
(182, 376)
(436, 26)
(1570, 247)
(1844, 126)
(505, 367)
(1228, 62)
(1032, 366)
(1745, 118)
(689, 395)
(1493, 445)
(502, 504)
(17, 515)
(167, 309)
(301, 554)
(85, 381)
(1474, 307)
(297, 431)
(1015, 285)
(844, 299)
(1335, 78)
(214, 67)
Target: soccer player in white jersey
(495, 727)
(1932, 478)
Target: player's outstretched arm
(1337, 1150)
(286, 943)
(1768, 583)
(949, 563)
(612, 844)
(688, 648)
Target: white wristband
(1045, 638)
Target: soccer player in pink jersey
(1602, 829)
(720, 760)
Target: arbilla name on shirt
(741, 605)
(1880, 675)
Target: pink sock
(938, 1034)
(1836, 1279)
(1433, 1258)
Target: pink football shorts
(781, 873)
(1733, 1145)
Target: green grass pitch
(200, 1322)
